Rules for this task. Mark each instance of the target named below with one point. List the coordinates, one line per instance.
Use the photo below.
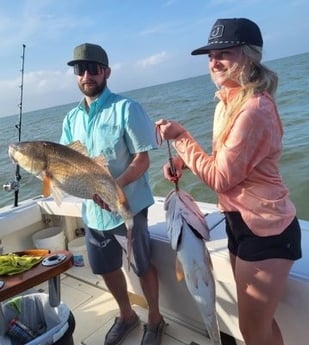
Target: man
(118, 129)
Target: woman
(262, 229)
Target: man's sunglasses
(93, 68)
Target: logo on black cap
(216, 32)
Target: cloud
(116, 66)
(42, 81)
(149, 47)
(42, 88)
(152, 60)
(169, 3)
(170, 27)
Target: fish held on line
(193, 262)
(69, 169)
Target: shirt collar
(98, 102)
(226, 95)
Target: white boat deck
(93, 307)
(94, 310)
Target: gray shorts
(105, 248)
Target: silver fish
(184, 222)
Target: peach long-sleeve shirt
(244, 171)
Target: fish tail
(121, 196)
(129, 248)
(129, 225)
(128, 220)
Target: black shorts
(242, 242)
(105, 248)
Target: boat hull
(175, 299)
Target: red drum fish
(69, 169)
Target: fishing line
(159, 140)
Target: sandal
(153, 333)
(120, 329)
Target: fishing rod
(14, 185)
(18, 126)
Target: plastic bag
(48, 324)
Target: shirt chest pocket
(109, 141)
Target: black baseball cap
(231, 32)
(89, 52)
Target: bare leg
(260, 286)
(116, 283)
(233, 262)
(150, 287)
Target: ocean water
(191, 102)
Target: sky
(149, 42)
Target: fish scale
(184, 219)
(68, 169)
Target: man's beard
(94, 91)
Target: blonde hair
(253, 78)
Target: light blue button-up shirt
(117, 128)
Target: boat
(94, 308)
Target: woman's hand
(167, 172)
(169, 130)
